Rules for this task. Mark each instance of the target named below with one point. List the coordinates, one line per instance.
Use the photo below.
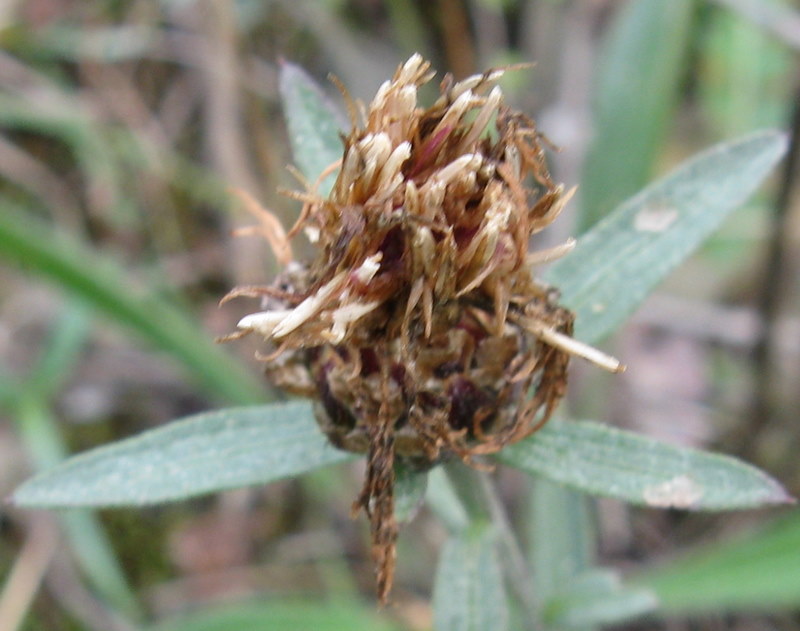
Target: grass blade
(302, 615)
(200, 454)
(756, 572)
(96, 280)
(61, 352)
(637, 87)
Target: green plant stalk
(88, 540)
(480, 499)
(78, 270)
(562, 537)
(441, 498)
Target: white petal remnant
(309, 307)
(551, 254)
(263, 322)
(572, 346)
(367, 270)
(391, 166)
(344, 316)
(467, 162)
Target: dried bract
(419, 328)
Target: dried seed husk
(419, 328)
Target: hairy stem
(480, 498)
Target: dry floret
(419, 328)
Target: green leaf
(200, 454)
(468, 593)
(759, 571)
(617, 263)
(64, 346)
(562, 537)
(642, 64)
(299, 615)
(597, 597)
(409, 491)
(746, 71)
(313, 122)
(98, 281)
(443, 500)
(601, 460)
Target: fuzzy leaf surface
(561, 540)
(601, 460)
(468, 592)
(314, 124)
(200, 454)
(618, 262)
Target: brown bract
(419, 329)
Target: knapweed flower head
(419, 329)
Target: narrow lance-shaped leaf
(100, 283)
(314, 124)
(756, 572)
(468, 593)
(562, 541)
(605, 461)
(200, 454)
(618, 262)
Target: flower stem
(480, 498)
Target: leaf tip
(781, 496)
(21, 496)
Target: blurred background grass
(124, 124)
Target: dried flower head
(419, 329)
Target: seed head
(419, 329)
